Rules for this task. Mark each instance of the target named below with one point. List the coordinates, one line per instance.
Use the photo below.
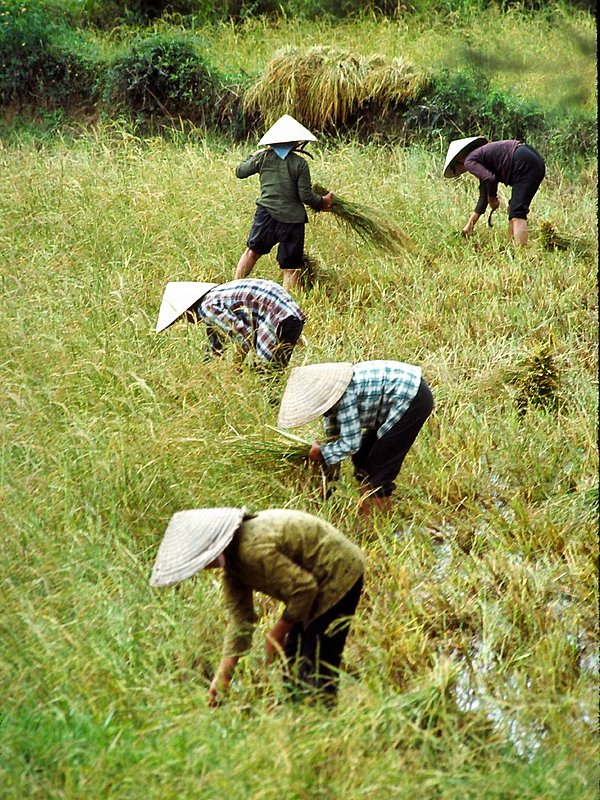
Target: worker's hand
(327, 201)
(468, 229)
(315, 455)
(219, 684)
(493, 202)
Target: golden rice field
(471, 670)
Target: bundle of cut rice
(270, 449)
(366, 223)
(536, 379)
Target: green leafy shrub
(464, 103)
(165, 76)
(42, 62)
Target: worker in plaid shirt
(372, 411)
(257, 314)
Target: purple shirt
(492, 163)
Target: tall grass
(471, 669)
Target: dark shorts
(528, 172)
(266, 232)
(378, 461)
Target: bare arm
(275, 639)
(468, 229)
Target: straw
(366, 224)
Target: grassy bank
(417, 77)
(471, 670)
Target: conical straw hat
(287, 129)
(311, 391)
(177, 298)
(192, 540)
(460, 147)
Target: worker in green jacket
(292, 556)
(285, 189)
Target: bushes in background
(44, 64)
(42, 61)
(465, 101)
(163, 75)
(105, 13)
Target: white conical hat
(460, 147)
(177, 298)
(192, 540)
(287, 129)
(311, 391)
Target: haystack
(325, 86)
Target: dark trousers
(377, 462)
(314, 653)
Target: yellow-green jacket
(292, 556)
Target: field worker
(285, 187)
(510, 162)
(373, 412)
(256, 314)
(291, 556)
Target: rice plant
(325, 86)
(366, 224)
(471, 668)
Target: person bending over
(373, 412)
(294, 557)
(257, 315)
(510, 162)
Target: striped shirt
(250, 311)
(377, 396)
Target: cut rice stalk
(365, 222)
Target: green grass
(471, 669)
(543, 57)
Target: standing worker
(372, 411)
(285, 187)
(289, 555)
(510, 162)
(256, 314)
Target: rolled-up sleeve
(348, 425)
(241, 617)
